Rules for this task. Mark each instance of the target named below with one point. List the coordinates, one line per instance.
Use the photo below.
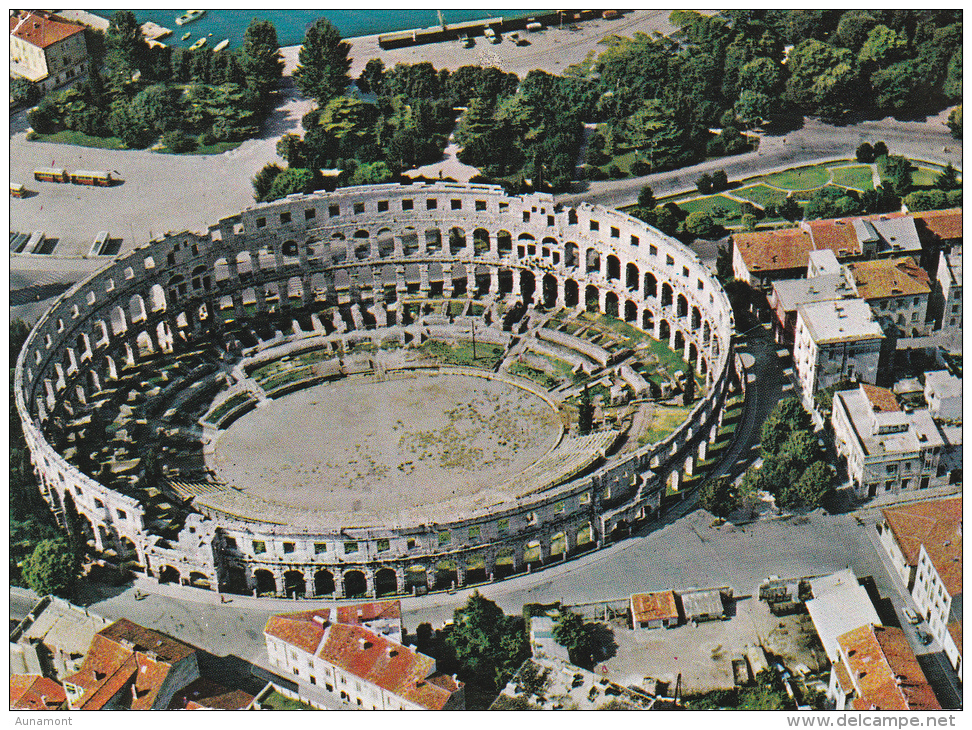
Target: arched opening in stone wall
(294, 584)
(593, 260)
(679, 342)
(533, 553)
(682, 306)
(570, 254)
(505, 278)
(651, 285)
(630, 311)
(585, 535)
(170, 575)
(483, 280)
(355, 584)
(457, 240)
(446, 575)
(386, 243)
(504, 564)
(476, 569)
(613, 268)
(433, 240)
(459, 280)
(199, 580)
(591, 298)
(266, 584)
(611, 304)
(323, 583)
(416, 579)
(632, 277)
(481, 242)
(504, 243)
(549, 290)
(571, 293)
(386, 582)
(528, 285)
(621, 530)
(410, 242)
(236, 580)
(666, 298)
(696, 318)
(664, 331)
(647, 320)
(558, 544)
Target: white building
(943, 394)
(835, 341)
(46, 49)
(949, 280)
(887, 449)
(357, 664)
(897, 291)
(924, 541)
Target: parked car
(912, 617)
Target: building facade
(897, 291)
(46, 49)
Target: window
(526, 216)
(634, 240)
(652, 250)
(595, 226)
(480, 205)
(559, 508)
(382, 206)
(313, 679)
(289, 547)
(615, 232)
(319, 547)
(914, 302)
(892, 468)
(121, 514)
(310, 214)
(956, 308)
(358, 208)
(259, 547)
(700, 285)
(285, 217)
(584, 498)
(669, 261)
(431, 204)
(410, 543)
(383, 546)
(445, 537)
(350, 547)
(550, 221)
(261, 222)
(231, 543)
(685, 272)
(407, 204)
(334, 211)
(503, 525)
(456, 204)
(474, 532)
(532, 518)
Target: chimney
(319, 619)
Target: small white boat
(198, 44)
(221, 45)
(185, 36)
(189, 16)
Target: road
(814, 142)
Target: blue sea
(292, 24)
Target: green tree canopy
(260, 58)
(125, 49)
(822, 78)
(700, 224)
(720, 496)
(488, 644)
(577, 636)
(52, 569)
(323, 63)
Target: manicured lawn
(82, 140)
(664, 420)
(761, 195)
(800, 178)
(854, 176)
(711, 203)
(924, 177)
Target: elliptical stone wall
(375, 245)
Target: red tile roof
(883, 666)
(937, 525)
(124, 655)
(303, 629)
(883, 278)
(774, 250)
(34, 692)
(364, 612)
(946, 224)
(882, 400)
(41, 29)
(204, 694)
(653, 606)
(387, 664)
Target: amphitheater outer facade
(376, 246)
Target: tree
(814, 485)
(786, 417)
(372, 78)
(291, 148)
(947, 179)
(753, 108)
(720, 496)
(854, 27)
(955, 122)
(748, 221)
(760, 76)
(900, 87)
(125, 49)
(896, 174)
(646, 198)
(23, 92)
(822, 78)
(51, 569)
(926, 200)
(880, 149)
(720, 181)
(260, 57)
(882, 47)
(578, 637)
(704, 183)
(263, 181)
(700, 225)
(833, 202)
(488, 644)
(290, 181)
(178, 141)
(865, 153)
(323, 63)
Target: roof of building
(791, 293)
(654, 606)
(883, 278)
(303, 629)
(881, 399)
(362, 613)
(936, 524)
(773, 250)
(943, 384)
(42, 29)
(950, 268)
(123, 651)
(387, 664)
(205, 694)
(843, 320)
(823, 261)
(62, 626)
(911, 432)
(34, 692)
(946, 224)
(887, 232)
(701, 603)
(883, 666)
(837, 611)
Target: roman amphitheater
(383, 390)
